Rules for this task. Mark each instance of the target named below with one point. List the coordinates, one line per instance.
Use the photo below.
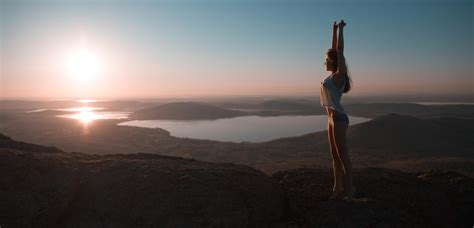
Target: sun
(84, 65)
(87, 117)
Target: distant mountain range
(185, 111)
(25, 105)
(273, 107)
(208, 111)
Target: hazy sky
(230, 47)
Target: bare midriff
(331, 111)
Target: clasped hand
(339, 25)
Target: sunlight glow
(88, 101)
(80, 109)
(87, 116)
(84, 65)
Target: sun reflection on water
(80, 109)
(87, 115)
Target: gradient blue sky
(230, 47)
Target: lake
(238, 129)
(243, 129)
(444, 103)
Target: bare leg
(336, 161)
(340, 133)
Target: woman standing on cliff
(332, 89)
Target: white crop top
(331, 95)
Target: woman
(332, 89)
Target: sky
(187, 48)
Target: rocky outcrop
(45, 187)
(383, 198)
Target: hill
(422, 111)
(405, 135)
(43, 187)
(288, 104)
(413, 136)
(185, 111)
(386, 138)
(368, 110)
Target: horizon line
(115, 98)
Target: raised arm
(341, 69)
(334, 35)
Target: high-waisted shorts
(340, 118)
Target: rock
(384, 198)
(35, 187)
(41, 189)
(135, 192)
(45, 187)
